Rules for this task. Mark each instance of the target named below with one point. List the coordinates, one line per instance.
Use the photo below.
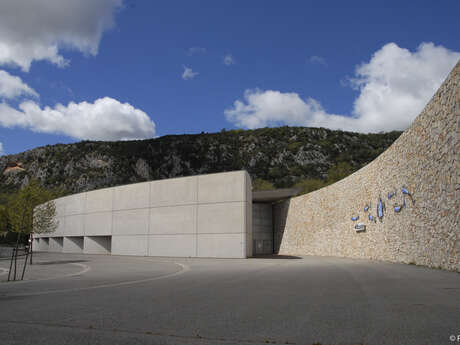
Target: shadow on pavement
(274, 256)
(59, 262)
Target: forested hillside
(280, 157)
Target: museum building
(215, 215)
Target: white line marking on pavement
(183, 269)
(85, 269)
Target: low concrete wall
(56, 244)
(425, 160)
(73, 245)
(6, 252)
(97, 244)
(41, 244)
(198, 216)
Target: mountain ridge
(283, 156)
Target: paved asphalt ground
(115, 300)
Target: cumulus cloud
(394, 86)
(12, 87)
(274, 108)
(188, 73)
(318, 60)
(37, 30)
(196, 50)
(105, 119)
(228, 60)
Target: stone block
(172, 245)
(74, 225)
(130, 245)
(249, 228)
(55, 244)
(60, 207)
(98, 224)
(60, 230)
(43, 244)
(73, 244)
(221, 245)
(99, 200)
(222, 187)
(248, 187)
(74, 204)
(173, 220)
(131, 196)
(131, 222)
(177, 191)
(97, 245)
(222, 218)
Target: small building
(215, 215)
(13, 167)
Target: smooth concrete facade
(198, 216)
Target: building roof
(274, 195)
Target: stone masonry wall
(425, 160)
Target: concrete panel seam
(85, 208)
(149, 215)
(111, 211)
(218, 233)
(163, 206)
(196, 215)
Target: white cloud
(394, 87)
(12, 87)
(188, 73)
(39, 29)
(196, 50)
(228, 60)
(1, 149)
(105, 119)
(318, 60)
(264, 108)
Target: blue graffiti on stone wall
(380, 209)
(406, 192)
(398, 208)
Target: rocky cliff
(282, 156)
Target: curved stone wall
(424, 160)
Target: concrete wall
(425, 159)
(73, 244)
(56, 244)
(97, 244)
(198, 216)
(41, 244)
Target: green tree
(309, 185)
(261, 184)
(24, 215)
(338, 172)
(3, 220)
(30, 210)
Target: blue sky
(113, 70)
